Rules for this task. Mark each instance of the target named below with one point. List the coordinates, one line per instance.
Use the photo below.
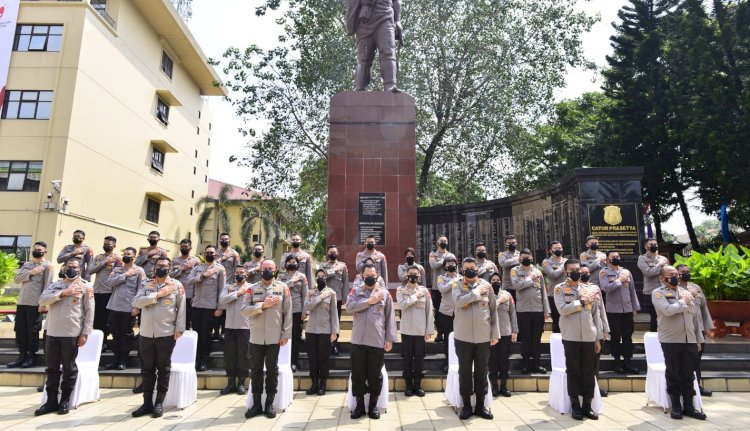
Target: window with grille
(152, 210)
(157, 159)
(20, 176)
(27, 105)
(162, 111)
(166, 64)
(38, 37)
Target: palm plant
(263, 212)
(207, 206)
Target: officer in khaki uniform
(70, 320)
(581, 329)
(269, 307)
(230, 260)
(322, 329)
(622, 306)
(102, 266)
(79, 250)
(436, 260)
(297, 283)
(447, 281)
(486, 268)
(410, 257)
(207, 280)
(147, 257)
(253, 265)
(475, 330)
(593, 259)
(651, 264)
(373, 334)
(337, 278)
(508, 323)
(532, 307)
(162, 303)
(705, 321)
(181, 267)
(417, 326)
(604, 335)
(378, 259)
(555, 272)
(124, 282)
(237, 335)
(304, 260)
(506, 260)
(680, 337)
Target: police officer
(147, 257)
(102, 266)
(680, 338)
(580, 325)
(373, 334)
(322, 329)
(237, 336)
(604, 335)
(181, 267)
(70, 320)
(506, 260)
(508, 323)
(486, 267)
(417, 327)
(297, 284)
(378, 259)
(124, 281)
(532, 307)
(162, 301)
(77, 249)
(475, 329)
(359, 280)
(337, 279)
(252, 266)
(592, 258)
(622, 306)
(230, 260)
(705, 321)
(447, 281)
(651, 264)
(553, 268)
(33, 276)
(304, 260)
(436, 265)
(208, 280)
(410, 256)
(269, 308)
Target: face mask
(585, 277)
(257, 253)
(672, 280)
(512, 247)
(61, 274)
(224, 243)
(557, 253)
(292, 267)
(210, 257)
(153, 242)
(370, 281)
(184, 251)
(127, 259)
(333, 256)
(443, 245)
(482, 254)
(295, 244)
(161, 272)
(412, 278)
(37, 254)
(496, 286)
(616, 261)
(71, 273)
(653, 248)
(470, 273)
(77, 240)
(240, 278)
(685, 276)
(267, 274)
(410, 260)
(575, 275)
(526, 261)
(370, 246)
(321, 283)
(108, 248)
(594, 246)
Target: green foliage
(8, 268)
(8, 300)
(723, 274)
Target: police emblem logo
(612, 215)
(168, 301)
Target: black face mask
(412, 278)
(210, 257)
(292, 267)
(482, 254)
(685, 277)
(184, 251)
(585, 277)
(257, 253)
(153, 242)
(321, 283)
(127, 259)
(161, 272)
(575, 275)
(443, 245)
(450, 268)
(410, 260)
(557, 253)
(653, 248)
(512, 247)
(370, 281)
(673, 281)
(37, 254)
(267, 274)
(108, 248)
(77, 240)
(496, 286)
(370, 246)
(616, 261)
(240, 278)
(71, 273)
(61, 274)
(470, 273)
(526, 261)
(333, 256)
(594, 246)
(224, 243)
(295, 244)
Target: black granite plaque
(616, 226)
(372, 217)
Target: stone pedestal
(372, 151)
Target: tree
(218, 207)
(266, 212)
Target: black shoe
(29, 362)
(690, 410)
(494, 388)
(335, 350)
(40, 388)
(230, 387)
(482, 411)
(705, 392)
(143, 410)
(202, 366)
(439, 338)
(586, 410)
(121, 366)
(47, 407)
(17, 363)
(603, 393)
(575, 406)
(525, 370)
(241, 389)
(619, 370)
(418, 391)
(313, 388)
(269, 410)
(158, 410)
(465, 410)
(322, 387)
(408, 387)
(64, 408)
(676, 407)
(359, 410)
(138, 389)
(540, 370)
(373, 412)
(504, 392)
(112, 366)
(631, 369)
(256, 409)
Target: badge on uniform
(168, 301)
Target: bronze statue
(376, 23)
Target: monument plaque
(372, 217)
(616, 226)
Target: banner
(8, 16)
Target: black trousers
(296, 336)
(156, 356)
(339, 303)
(101, 314)
(367, 362)
(500, 360)
(580, 359)
(260, 354)
(27, 327)
(188, 313)
(203, 321)
(646, 302)
(318, 351)
(413, 348)
(621, 333)
(219, 322)
(530, 328)
(61, 351)
(446, 322)
(680, 360)
(121, 324)
(698, 362)
(437, 297)
(236, 352)
(478, 356)
(555, 315)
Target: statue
(376, 23)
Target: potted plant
(8, 267)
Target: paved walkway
(523, 411)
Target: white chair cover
(656, 375)
(285, 388)
(558, 381)
(87, 383)
(351, 401)
(183, 380)
(452, 390)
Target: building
(104, 125)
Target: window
(157, 159)
(191, 210)
(166, 64)
(209, 142)
(192, 193)
(205, 179)
(256, 238)
(199, 115)
(27, 105)
(152, 210)
(18, 245)
(196, 154)
(20, 176)
(197, 130)
(209, 126)
(206, 163)
(32, 37)
(195, 170)
(162, 111)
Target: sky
(219, 24)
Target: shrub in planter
(8, 267)
(723, 274)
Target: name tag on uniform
(378, 309)
(331, 271)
